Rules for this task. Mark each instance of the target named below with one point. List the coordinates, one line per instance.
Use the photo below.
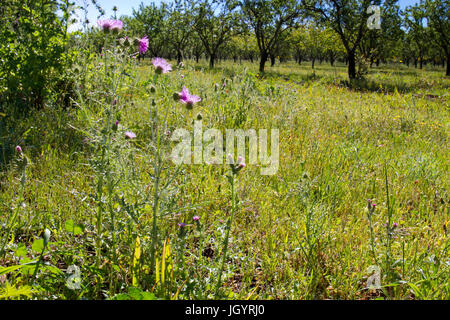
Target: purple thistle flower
(196, 218)
(395, 224)
(129, 135)
(110, 25)
(117, 122)
(161, 65)
(143, 45)
(240, 162)
(187, 98)
(19, 150)
(182, 76)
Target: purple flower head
(182, 225)
(117, 123)
(187, 98)
(129, 135)
(196, 218)
(143, 45)
(19, 150)
(240, 162)
(114, 102)
(161, 65)
(110, 25)
(182, 76)
(395, 224)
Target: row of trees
(301, 29)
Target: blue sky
(125, 7)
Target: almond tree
(438, 14)
(150, 21)
(180, 27)
(348, 18)
(215, 23)
(417, 31)
(270, 19)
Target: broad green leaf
(73, 228)
(21, 250)
(38, 245)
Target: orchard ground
(306, 232)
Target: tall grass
(122, 212)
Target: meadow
(362, 188)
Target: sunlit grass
(300, 234)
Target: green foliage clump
(33, 49)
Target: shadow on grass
(37, 132)
(391, 86)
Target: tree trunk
(313, 62)
(377, 62)
(179, 57)
(211, 60)
(272, 60)
(351, 65)
(421, 63)
(448, 64)
(299, 61)
(262, 62)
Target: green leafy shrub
(33, 46)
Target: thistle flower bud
(125, 41)
(115, 125)
(46, 236)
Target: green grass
(303, 233)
